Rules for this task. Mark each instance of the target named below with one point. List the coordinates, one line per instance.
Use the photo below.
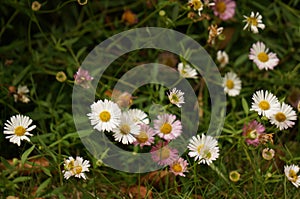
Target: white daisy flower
(222, 58)
(291, 174)
(265, 103)
(176, 97)
(75, 167)
(21, 94)
(254, 22)
(105, 115)
(127, 129)
(232, 84)
(283, 119)
(138, 116)
(18, 128)
(203, 149)
(260, 56)
(196, 5)
(186, 71)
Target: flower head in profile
(234, 176)
(252, 132)
(75, 167)
(214, 32)
(167, 127)
(21, 94)
(225, 9)
(232, 84)
(179, 167)
(83, 78)
(203, 149)
(222, 58)
(163, 154)
(186, 71)
(260, 56)
(254, 22)
(127, 130)
(176, 97)
(145, 137)
(268, 154)
(105, 115)
(18, 128)
(291, 174)
(138, 116)
(35, 6)
(265, 103)
(197, 5)
(284, 117)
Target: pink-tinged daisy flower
(127, 130)
(145, 137)
(75, 167)
(167, 127)
(291, 174)
(179, 167)
(260, 56)
(252, 131)
(105, 115)
(163, 154)
(254, 22)
(18, 128)
(284, 118)
(225, 9)
(265, 103)
(83, 78)
(203, 149)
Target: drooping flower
(82, 2)
(75, 167)
(145, 137)
(127, 130)
(163, 154)
(291, 174)
(260, 56)
(254, 22)
(167, 127)
(18, 128)
(61, 76)
(268, 154)
(232, 84)
(222, 58)
(176, 97)
(35, 6)
(284, 117)
(186, 71)
(265, 103)
(203, 149)
(225, 9)
(83, 78)
(105, 115)
(21, 94)
(179, 167)
(252, 132)
(138, 116)
(197, 5)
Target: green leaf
(21, 179)
(26, 154)
(5, 163)
(245, 106)
(46, 171)
(21, 75)
(43, 186)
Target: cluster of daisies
(132, 126)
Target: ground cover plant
(254, 154)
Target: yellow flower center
(125, 129)
(252, 21)
(20, 131)
(104, 116)
(293, 175)
(166, 128)
(221, 7)
(77, 169)
(163, 153)
(197, 4)
(264, 105)
(174, 98)
(263, 57)
(199, 148)
(207, 154)
(252, 134)
(142, 137)
(229, 84)
(280, 117)
(177, 167)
